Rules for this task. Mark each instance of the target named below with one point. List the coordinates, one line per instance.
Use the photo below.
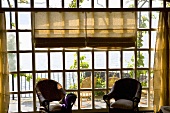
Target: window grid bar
(121, 3)
(107, 3)
(18, 62)
(77, 3)
(63, 51)
(92, 3)
(16, 3)
(78, 73)
(32, 3)
(136, 3)
(93, 76)
(64, 70)
(62, 3)
(150, 3)
(149, 71)
(0, 4)
(33, 61)
(47, 4)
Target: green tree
(83, 65)
(73, 3)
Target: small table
(165, 109)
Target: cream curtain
(161, 63)
(85, 29)
(4, 82)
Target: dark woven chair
(53, 98)
(127, 94)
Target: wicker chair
(53, 98)
(127, 94)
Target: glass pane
(143, 4)
(12, 61)
(11, 41)
(143, 39)
(13, 82)
(85, 3)
(116, 3)
(99, 3)
(56, 60)
(155, 18)
(114, 59)
(167, 4)
(41, 61)
(128, 59)
(85, 60)
(142, 76)
(100, 60)
(27, 102)
(70, 4)
(152, 58)
(98, 101)
(6, 5)
(151, 90)
(13, 105)
(128, 4)
(10, 20)
(55, 3)
(71, 60)
(40, 3)
(57, 76)
(144, 99)
(157, 3)
(23, 3)
(143, 59)
(41, 76)
(56, 48)
(25, 41)
(86, 99)
(99, 79)
(71, 80)
(153, 38)
(24, 20)
(26, 82)
(128, 74)
(85, 80)
(25, 61)
(143, 19)
(113, 77)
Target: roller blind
(85, 29)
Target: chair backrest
(50, 89)
(126, 88)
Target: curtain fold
(4, 81)
(161, 63)
(85, 29)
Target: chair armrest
(43, 101)
(136, 99)
(106, 99)
(138, 93)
